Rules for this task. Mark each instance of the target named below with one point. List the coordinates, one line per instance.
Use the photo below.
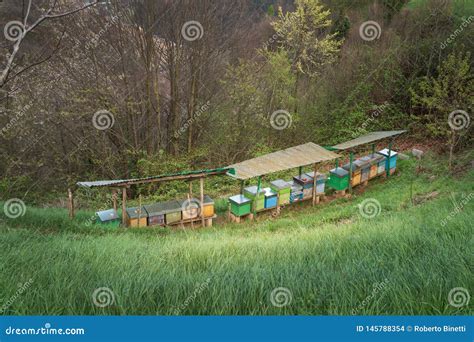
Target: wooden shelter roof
(187, 175)
(365, 139)
(293, 157)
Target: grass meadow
(323, 260)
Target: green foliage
(449, 90)
(304, 36)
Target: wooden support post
(124, 205)
(387, 165)
(373, 149)
(201, 189)
(315, 169)
(256, 196)
(300, 171)
(242, 183)
(351, 158)
(191, 189)
(278, 203)
(114, 199)
(139, 209)
(70, 203)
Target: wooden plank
(201, 189)
(70, 203)
(124, 205)
(315, 169)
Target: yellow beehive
(136, 217)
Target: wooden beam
(114, 199)
(190, 189)
(315, 169)
(124, 205)
(201, 189)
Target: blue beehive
(392, 161)
(320, 181)
(271, 198)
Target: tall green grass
(328, 257)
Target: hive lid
(253, 190)
(156, 208)
(136, 212)
(355, 166)
(280, 184)
(269, 192)
(239, 199)
(296, 188)
(303, 178)
(107, 215)
(208, 200)
(384, 152)
(173, 206)
(362, 163)
(339, 171)
(319, 175)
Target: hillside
(329, 259)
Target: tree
(445, 99)
(304, 34)
(18, 31)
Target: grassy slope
(329, 257)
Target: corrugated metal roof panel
(293, 157)
(368, 138)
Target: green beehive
(173, 211)
(108, 217)
(240, 205)
(257, 202)
(338, 179)
(283, 189)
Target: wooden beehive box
(320, 181)
(208, 206)
(240, 205)
(356, 172)
(257, 202)
(136, 217)
(338, 179)
(271, 198)
(173, 212)
(156, 214)
(283, 189)
(108, 217)
(391, 162)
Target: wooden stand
(340, 193)
(238, 219)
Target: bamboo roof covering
(293, 157)
(368, 138)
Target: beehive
(304, 180)
(375, 159)
(173, 211)
(356, 172)
(136, 217)
(190, 208)
(271, 198)
(364, 168)
(320, 181)
(240, 205)
(381, 165)
(283, 189)
(257, 201)
(108, 217)
(208, 206)
(390, 162)
(338, 179)
(156, 214)
(296, 192)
